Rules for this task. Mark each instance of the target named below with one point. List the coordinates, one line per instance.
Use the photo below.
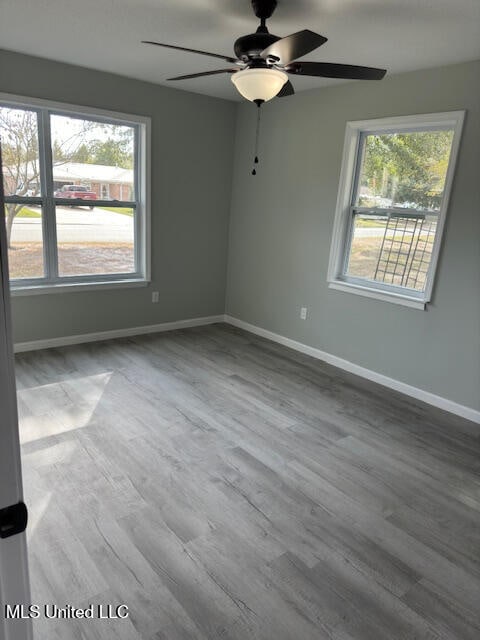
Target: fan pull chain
(257, 135)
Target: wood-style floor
(225, 487)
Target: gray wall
(281, 226)
(192, 150)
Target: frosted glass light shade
(259, 84)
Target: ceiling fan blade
(332, 70)
(293, 46)
(203, 53)
(204, 73)
(286, 90)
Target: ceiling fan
(264, 61)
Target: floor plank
(223, 486)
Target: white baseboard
(63, 341)
(391, 383)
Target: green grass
(28, 213)
(25, 212)
(370, 224)
(125, 211)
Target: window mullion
(139, 218)
(49, 214)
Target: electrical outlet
(155, 296)
(303, 313)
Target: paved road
(78, 225)
(374, 232)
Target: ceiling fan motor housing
(249, 47)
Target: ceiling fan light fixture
(259, 84)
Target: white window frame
(340, 246)
(142, 222)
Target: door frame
(14, 576)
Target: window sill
(367, 292)
(75, 286)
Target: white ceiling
(399, 35)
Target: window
(76, 200)
(393, 196)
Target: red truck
(75, 191)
